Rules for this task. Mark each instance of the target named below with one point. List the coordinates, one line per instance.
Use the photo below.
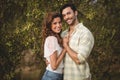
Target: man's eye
(68, 13)
(60, 22)
(63, 15)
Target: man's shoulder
(64, 33)
(82, 27)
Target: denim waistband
(53, 73)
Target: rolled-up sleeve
(86, 43)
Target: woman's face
(56, 25)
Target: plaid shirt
(81, 41)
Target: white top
(51, 45)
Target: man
(78, 42)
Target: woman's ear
(76, 13)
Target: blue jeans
(48, 75)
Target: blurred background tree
(20, 30)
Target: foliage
(20, 29)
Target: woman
(53, 49)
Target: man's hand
(65, 41)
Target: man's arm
(84, 48)
(71, 53)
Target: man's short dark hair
(72, 6)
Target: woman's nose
(58, 24)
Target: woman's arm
(55, 60)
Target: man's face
(69, 15)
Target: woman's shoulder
(51, 38)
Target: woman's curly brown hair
(46, 27)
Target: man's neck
(73, 26)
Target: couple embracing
(66, 51)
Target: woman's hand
(46, 61)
